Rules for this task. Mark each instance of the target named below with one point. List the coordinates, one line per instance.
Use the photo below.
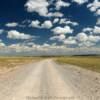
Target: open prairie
(9, 63)
(88, 62)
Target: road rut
(47, 80)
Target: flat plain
(49, 80)
(9, 63)
(87, 62)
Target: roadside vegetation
(10, 62)
(88, 62)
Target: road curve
(47, 80)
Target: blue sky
(54, 27)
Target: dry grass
(10, 62)
(88, 62)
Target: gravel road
(47, 80)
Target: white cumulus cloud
(80, 1)
(95, 7)
(47, 24)
(41, 7)
(62, 30)
(98, 21)
(67, 22)
(70, 41)
(60, 4)
(60, 37)
(35, 24)
(55, 14)
(96, 30)
(87, 29)
(13, 34)
(2, 44)
(56, 20)
(98, 12)
(87, 40)
(82, 37)
(13, 24)
(38, 6)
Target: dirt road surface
(47, 80)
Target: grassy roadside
(10, 62)
(88, 62)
